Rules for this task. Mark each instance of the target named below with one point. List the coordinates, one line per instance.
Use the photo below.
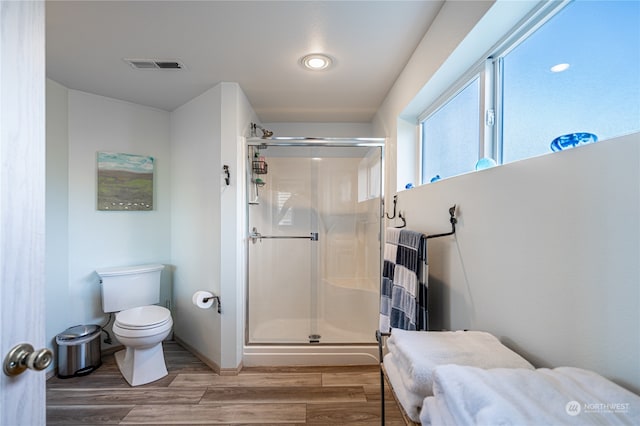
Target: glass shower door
(314, 246)
(281, 251)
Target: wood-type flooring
(193, 394)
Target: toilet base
(141, 366)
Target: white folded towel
(418, 353)
(466, 395)
(411, 402)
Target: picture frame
(125, 182)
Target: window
(283, 205)
(568, 70)
(451, 135)
(369, 170)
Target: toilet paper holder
(216, 299)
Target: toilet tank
(130, 286)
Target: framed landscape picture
(125, 182)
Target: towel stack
(414, 356)
(465, 395)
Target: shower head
(265, 133)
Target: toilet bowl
(141, 330)
(132, 292)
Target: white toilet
(140, 325)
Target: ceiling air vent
(155, 64)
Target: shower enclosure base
(297, 332)
(309, 355)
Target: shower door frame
(307, 142)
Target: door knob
(23, 356)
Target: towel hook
(227, 175)
(399, 213)
(395, 201)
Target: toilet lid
(143, 317)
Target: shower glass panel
(314, 244)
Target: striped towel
(403, 299)
(392, 236)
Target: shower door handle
(313, 237)
(255, 235)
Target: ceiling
(257, 44)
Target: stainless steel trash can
(78, 350)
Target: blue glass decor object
(408, 186)
(435, 178)
(572, 140)
(485, 163)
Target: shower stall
(313, 250)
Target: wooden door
(22, 166)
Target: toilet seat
(143, 318)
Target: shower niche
(313, 248)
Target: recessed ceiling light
(560, 67)
(316, 62)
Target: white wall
(80, 238)
(237, 114)
(547, 250)
(546, 256)
(208, 220)
(195, 229)
(56, 211)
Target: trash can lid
(78, 331)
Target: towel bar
(452, 220)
